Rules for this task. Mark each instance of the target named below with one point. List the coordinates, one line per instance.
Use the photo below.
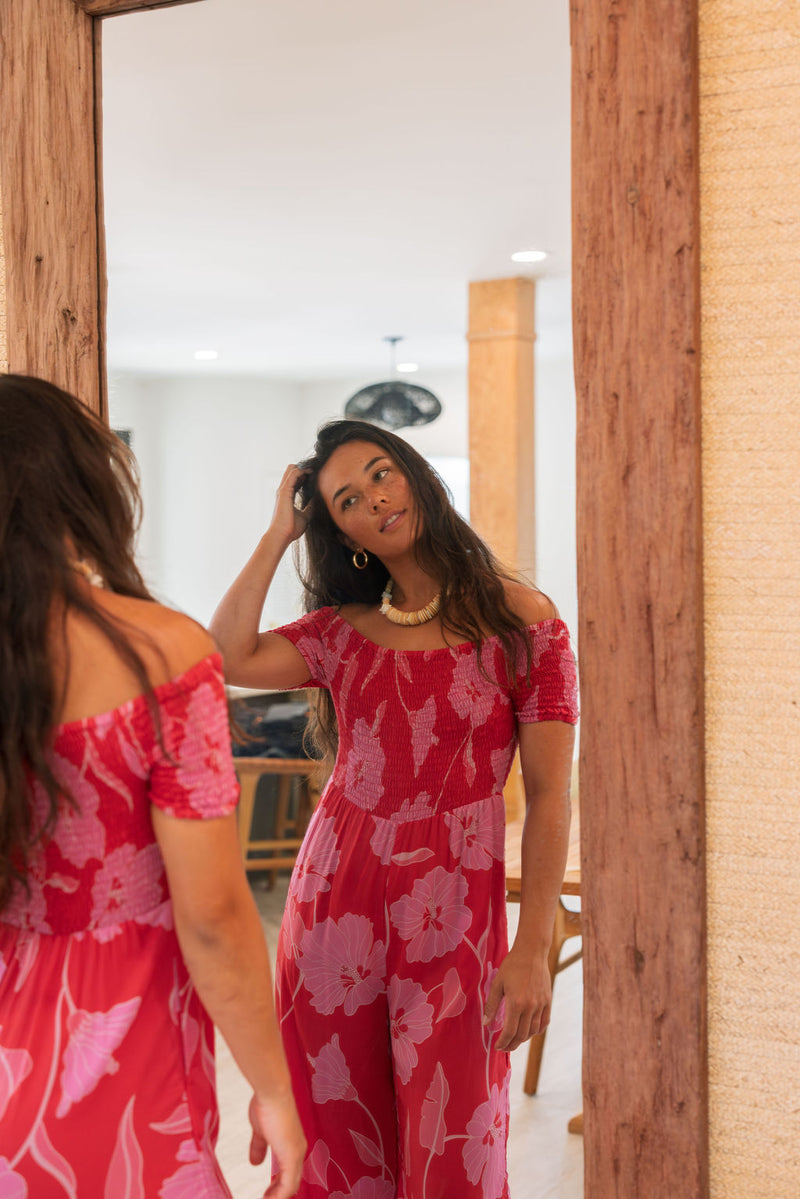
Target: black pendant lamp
(394, 404)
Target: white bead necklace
(421, 616)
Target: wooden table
(567, 924)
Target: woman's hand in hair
(288, 520)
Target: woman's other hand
(276, 1126)
(288, 521)
(524, 984)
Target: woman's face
(369, 499)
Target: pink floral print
(318, 864)
(15, 1066)
(128, 882)
(434, 917)
(105, 1050)
(331, 1077)
(484, 1149)
(476, 836)
(384, 961)
(411, 1023)
(342, 964)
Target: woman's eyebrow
(347, 486)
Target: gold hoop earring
(363, 564)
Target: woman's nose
(376, 498)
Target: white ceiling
(288, 181)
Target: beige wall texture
(750, 289)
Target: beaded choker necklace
(421, 616)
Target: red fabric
(396, 923)
(106, 1054)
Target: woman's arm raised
(254, 659)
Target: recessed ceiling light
(407, 367)
(529, 256)
(206, 355)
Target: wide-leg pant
(393, 931)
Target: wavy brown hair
(473, 600)
(64, 478)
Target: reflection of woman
(126, 915)
(393, 959)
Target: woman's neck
(413, 586)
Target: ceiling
(289, 181)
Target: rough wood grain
(50, 197)
(111, 8)
(502, 496)
(636, 315)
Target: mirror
(287, 185)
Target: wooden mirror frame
(636, 328)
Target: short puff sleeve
(313, 636)
(550, 692)
(192, 776)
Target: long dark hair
(473, 599)
(64, 478)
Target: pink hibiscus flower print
(15, 1066)
(331, 1077)
(476, 835)
(342, 964)
(199, 1177)
(93, 1038)
(410, 1021)
(471, 695)
(434, 917)
(79, 832)
(367, 1188)
(203, 746)
(12, 1185)
(318, 862)
(484, 1151)
(127, 884)
(365, 762)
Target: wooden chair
(567, 924)
(278, 852)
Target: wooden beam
(636, 329)
(502, 499)
(112, 8)
(50, 200)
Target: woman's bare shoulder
(169, 641)
(528, 603)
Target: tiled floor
(545, 1161)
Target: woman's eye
(384, 470)
(348, 503)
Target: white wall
(211, 454)
(212, 451)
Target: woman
(125, 917)
(398, 997)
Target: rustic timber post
(636, 328)
(52, 241)
(502, 498)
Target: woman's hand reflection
(524, 984)
(288, 521)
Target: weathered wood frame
(636, 306)
(51, 189)
(637, 361)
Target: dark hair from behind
(473, 598)
(68, 489)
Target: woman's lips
(391, 521)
